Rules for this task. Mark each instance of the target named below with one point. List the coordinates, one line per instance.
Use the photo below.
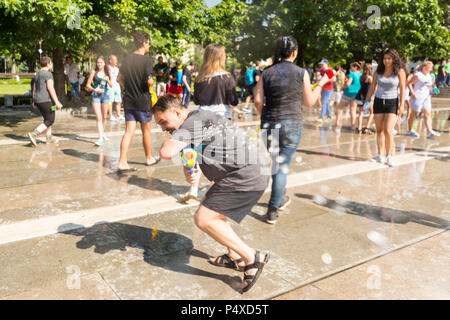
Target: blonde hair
(213, 61)
(425, 64)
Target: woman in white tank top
(420, 87)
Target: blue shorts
(102, 98)
(138, 115)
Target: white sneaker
(112, 118)
(433, 134)
(99, 142)
(412, 133)
(394, 132)
(389, 161)
(121, 118)
(378, 159)
(105, 137)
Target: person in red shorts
(176, 86)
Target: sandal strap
(254, 265)
(225, 259)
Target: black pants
(47, 113)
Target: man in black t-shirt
(136, 78)
(160, 71)
(187, 76)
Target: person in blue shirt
(351, 88)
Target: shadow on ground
(168, 250)
(380, 213)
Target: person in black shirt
(160, 72)
(136, 78)
(187, 77)
(283, 85)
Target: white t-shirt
(423, 85)
(114, 73)
(72, 72)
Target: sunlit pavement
(71, 228)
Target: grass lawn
(9, 86)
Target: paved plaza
(72, 228)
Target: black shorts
(385, 106)
(45, 108)
(232, 204)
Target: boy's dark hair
(166, 102)
(140, 37)
(44, 61)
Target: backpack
(249, 78)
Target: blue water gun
(189, 158)
(179, 76)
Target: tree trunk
(58, 75)
(13, 68)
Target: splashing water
(326, 258)
(378, 239)
(320, 200)
(299, 159)
(284, 168)
(281, 158)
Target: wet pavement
(71, 228)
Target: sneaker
(121, 118)
(99, 142)
(328, 120)
(105, 137)
(272, 215)
(284, 203)
(394, 132)
(412, 133)
(433, 134)
(32, 136)
(112, 118)
(389, 161)
(378, 159)
(338, 131)
(320, 120)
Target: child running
(43, 95)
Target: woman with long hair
(387, 80)
(215, 88)
(284, 85)
(420, 86)
(215, 91)
(100, 98)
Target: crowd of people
(238, 169)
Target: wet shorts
(138, 115)
(235, 205)
(385, 106)
(102, 98)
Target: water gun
(314, 85)
(367, 105)
(189, 158)
(435, 90)
(153, 95)
(179, 76)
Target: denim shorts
(102, 98)
(138, 116)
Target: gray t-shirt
(226, 155)
(41, 93)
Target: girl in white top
(420, 87)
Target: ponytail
(284, 47)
